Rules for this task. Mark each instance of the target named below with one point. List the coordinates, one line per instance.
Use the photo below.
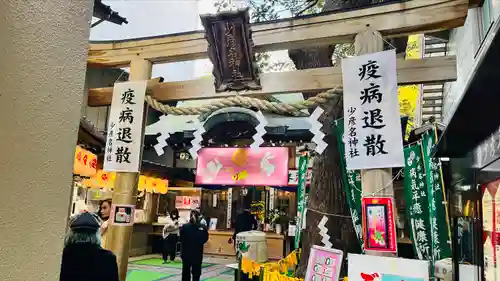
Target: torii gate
(391, 20)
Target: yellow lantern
(142, 184)
(161, 186)
(101, 180)
(105, 180)
(85, 163)
(149, 184)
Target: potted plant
(278, 219)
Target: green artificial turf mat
(143, 275)
(159, 262)
(228, 272)
(213, 279)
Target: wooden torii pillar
(373, 181)
(125, 190)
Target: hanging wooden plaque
(230, 48)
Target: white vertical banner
(229, 206)
(373, 135)
(123, 142)
(272, 197)
(215, 198)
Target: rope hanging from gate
(248, 102)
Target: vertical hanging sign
(410, 95)
(352, 184)
(417, 204)
(272, 197)
(371, 112)
(301, 197)
(440, 235)
(229, 206)
(123, 142)
(230, 49)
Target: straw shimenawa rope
(247, 102)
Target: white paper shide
(123, 143)
(373, 136)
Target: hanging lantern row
(106, 180)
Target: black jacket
(86, 262)
(193, 236)
(244, 222)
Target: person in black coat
(83, 258)
(245, 221)
(193, 236)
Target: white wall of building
(465, 43)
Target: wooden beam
(428, 70)
(475, 3)
(392, 20)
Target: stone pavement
(149, 268)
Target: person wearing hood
(193, 236)
(83, 257)
(171, 236)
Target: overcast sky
(158, 17)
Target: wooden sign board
(230, 48)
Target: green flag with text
(440, 233)
(417, 202)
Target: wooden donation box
(218, 244)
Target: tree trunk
(326, 193)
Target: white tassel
(164, 135)
(261, 131)
(323, 232)
(198, 137)
(316, 130)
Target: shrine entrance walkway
(151, 268)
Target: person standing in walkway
(193, 237)
(104, 213)
(171, 236)
(245, 221)
(83, 257)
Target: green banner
(417, 204)
(301, 196)
(352, 184)
(440, 232)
